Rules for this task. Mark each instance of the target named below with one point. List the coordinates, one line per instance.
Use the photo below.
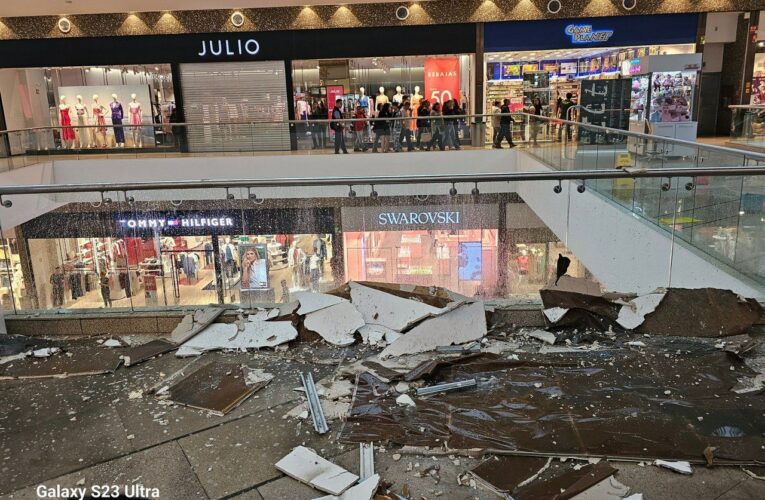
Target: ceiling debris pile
(440, 388)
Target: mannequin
(364, 100)
(65, 120)
(99, 113)
(295, 259)
(380, 99)
(117, 113)
(398, 97)
(83, 117)
(416, 99)
(303, 109)
(135, 120)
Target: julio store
(153, 258)
(234, 91)
(594, 60)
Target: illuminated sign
(635, 67)
(584, 34)
(226, 48)
(402, 218)
(173, 222)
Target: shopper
(57, 282)
(505, 125)
(437, 124)
(535, 111)
(395, 126)
(105, 291)
(423, 125)
(381, 128)
(314, 265)
(563, 113)
(495, 123)
(319, 129)
(451, 139)
(338, 127)
(358, 129)
(406, 127)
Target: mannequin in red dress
(65, 120)
(99, 113)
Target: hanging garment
(189, 266)
(67, 133)
(117, 113)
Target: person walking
(319, 130)
(358, 129)
(505, 125)
(437, 124)
(423, 125)
(535, 111)
(57, 281)
(338, 127)
(105, 291)
(406, 127)
(381, 128)
(450, 122)
(395, 126)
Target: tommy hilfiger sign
(173, 222)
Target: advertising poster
(550, 67)
(568, 67)
(469, 261)
(516, 104)
(494, 71)
(528, 68)
(511, 71)
(758, 80)
(254, 259)
(442, 79)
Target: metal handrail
(708, 147)
(581, 175)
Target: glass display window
(672, 96)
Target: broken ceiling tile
(463, 324)
(193, 323)
(634, 312)
(554, 314)
(216, 387)
(404, 400)
(381, 308)
(255, 335)
(308, 467)
(362, 491)
(336, 324)
(503, 474)
(138, 354)
(83, 359)
(255, 375)
(566, 485)
(608, 489)
(377, 334)
(681, 467)
(111, 343)
(543, 335)
(312, 301)
(45, 352)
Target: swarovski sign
(405, 218)
(228, 48)
(176, 222)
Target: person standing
(406, 127)
(423, 125)
(451, 125)
(535, 111)
(437, 122)
(358, 129)
(105, 291)
(496, 113)
(505, 125)
(563, 112)
(338, 127)
(319, 134)
(57, 282)
(381, 128)
(395, 126)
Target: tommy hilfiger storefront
(159, 258)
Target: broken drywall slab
(216, 387)
(336, 324)
(703, 312)
(463, 324)
(82, 359)
(381, 308)
(377, 335)
(45, 352)
(566, 485)
(362, 491)
(111, 343)
(681, 467)
(633, 313)
(554, 314)
(254, 335)
(254, 376)
(193, 323)
(312, 301)
(544, 336)
(750, 384)
(333, 410)
(11, 345)
(138, 354)
(404, 400)
(608, 489)
(308, 467)
(263, 315)
(502, 474)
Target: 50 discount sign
(442, 79)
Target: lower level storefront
(80, 259)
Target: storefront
(235, 90)
(587, 58)
(453, 246)
(158, 258)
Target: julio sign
(442, 79)
(229, 48)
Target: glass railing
(721, 216)
(242, 243)
(748, 126)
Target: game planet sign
(584, 34)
